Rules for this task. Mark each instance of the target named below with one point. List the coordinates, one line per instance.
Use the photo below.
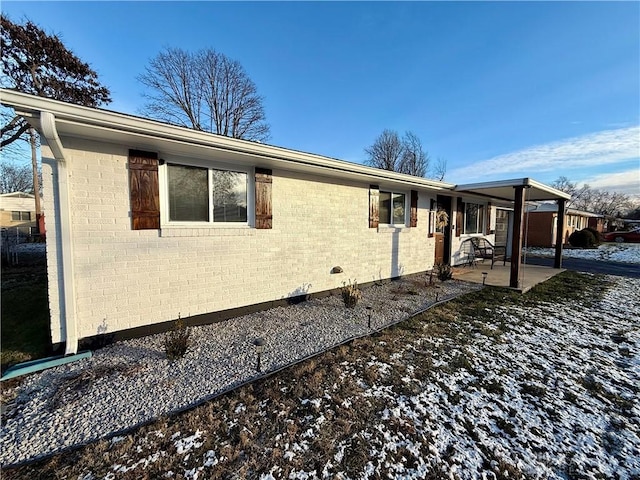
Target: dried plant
(350, 294)
(176, 341)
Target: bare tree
(577, 193)
(610, 204)
(386, 151)
(16, 178)
(406, 155)
(439, 169)
(414, 160)
(205, 91)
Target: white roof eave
(86, 122)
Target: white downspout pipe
(65, 253)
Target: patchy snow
(550, 391)
(546, 392)
(221, 356)
(607, 252)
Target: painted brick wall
(126, 278)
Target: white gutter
(70, 116)
(65, 250)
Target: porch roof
(505, 190)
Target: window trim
(393, 192)
(165, 222)
(479, 222)
(20, 214)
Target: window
(24, 216)
(197, 194)
(392, 208)
(473, 218)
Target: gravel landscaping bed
(132, 382)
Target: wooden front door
(439, 238)
(442, 235)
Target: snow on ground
(607, 252)
(547, 392)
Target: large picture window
(198, 194)
(473, 218)
(392, 208)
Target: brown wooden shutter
(144, 190)
(459, 216)
(264, 215)
(374, 206)
(413, 218)
(488, 219)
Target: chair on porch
(484, 249)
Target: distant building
(542, 224)
(17, 211)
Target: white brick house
(150, 222)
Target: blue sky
(499, 90)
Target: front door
(439, 238)
(442, 234)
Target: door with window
(442, 233)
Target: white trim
(89, 122)
(517, 182)
(166, 223)
(406, 210)
(68, 312)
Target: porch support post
(516, 247)
(559, 233)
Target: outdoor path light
(484, 277)
(259, 344)
(369, 313)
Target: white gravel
(132, 382)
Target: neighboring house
(17, 212)
(542, 223)
(151, 222)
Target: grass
(251, 428)
(25, 333)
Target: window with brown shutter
(413, 219)
(459, 216)
(263, 198)
(144, 190)
(374, 206)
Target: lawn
(491, 385)
(25, 333)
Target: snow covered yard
(491, 385)
(607, 252)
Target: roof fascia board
(30, 107)
(516, 182)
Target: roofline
(30, 106)
(526, 182)
(8, 194)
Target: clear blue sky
(499, 90)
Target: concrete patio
(530, 275)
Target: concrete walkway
(530, 275)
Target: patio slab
(530, 275)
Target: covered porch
(518, 192)
(500, 275)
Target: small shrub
(444, 272)
(583, 238)
(596, 234)
(176, 341)
(350, 294)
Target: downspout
(68, 300)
